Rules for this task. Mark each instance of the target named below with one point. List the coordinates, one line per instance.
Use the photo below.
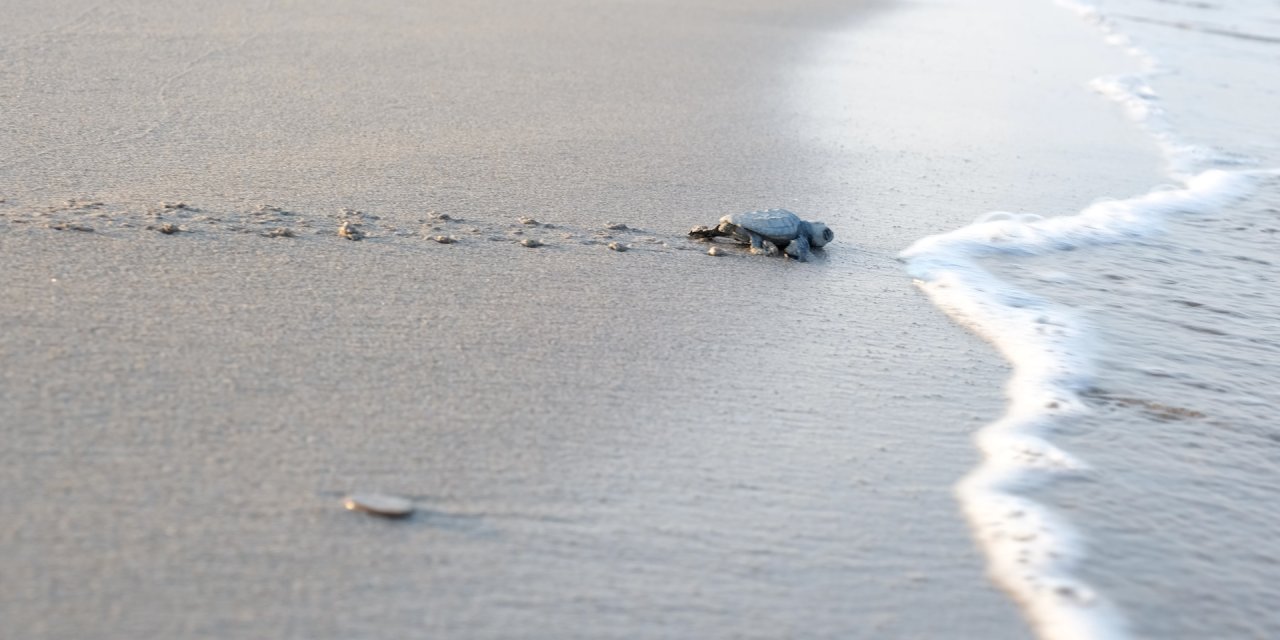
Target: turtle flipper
(761, 246)
(704, 232)
(799, 248)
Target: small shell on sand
(350, 231)
(715, 251)
(444, 239)
(532, 243)
(618, 246)
(379, 504)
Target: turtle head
(819, 234)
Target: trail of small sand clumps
(269, 221)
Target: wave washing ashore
(1143, 341)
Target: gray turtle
(781, 229)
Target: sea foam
(1031, 551)
(1134, 93)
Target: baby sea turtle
(780, 228)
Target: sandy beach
(602, 444)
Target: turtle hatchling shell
(774, 224)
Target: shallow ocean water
(1177, 507)
(1140, 438)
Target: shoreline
(1070, 357)
(1155, 374)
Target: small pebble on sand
(526, 220)
(168, 228)
(618, 246)
(379, 504)
(617, 226)
(350, 231)
(279, 232)
(715, 251)
(532, 243)
(444, 239)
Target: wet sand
(653, 443)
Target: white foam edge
(1031, 552)
(1134, 93)
(1092, 15)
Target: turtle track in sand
(273, 222)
